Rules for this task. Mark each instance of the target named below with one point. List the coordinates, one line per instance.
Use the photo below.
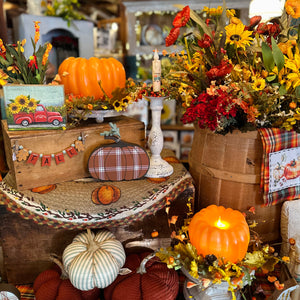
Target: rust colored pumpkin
(118, 161)
(150, 279)
(53, 284)
(221, 231)
(106, 194)
(81, 76)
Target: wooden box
(59, 161)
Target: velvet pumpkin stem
(142, 268)
(54, 258)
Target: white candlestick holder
(158, 167)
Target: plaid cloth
(273, 140)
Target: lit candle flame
(221, 224)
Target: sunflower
(22, 101)
(32, 103)
(117, 105)
(294, 66)
(236, 35)
(258, 84)
(14, 108)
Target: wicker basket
(226, 170)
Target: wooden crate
(24, 175)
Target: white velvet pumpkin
(93, 260)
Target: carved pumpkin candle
(221, 231)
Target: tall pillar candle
(156, 72)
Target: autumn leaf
(272, 278)
(279, 286)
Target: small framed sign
(34, 107)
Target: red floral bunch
(180, 20)
(208, 109)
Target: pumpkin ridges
(64, 66)
(94, 69)
(48, 290)
(43, 277)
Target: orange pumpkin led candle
(221, 231)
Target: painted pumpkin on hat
(93, 260)
(149, 279)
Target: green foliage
(64, 9)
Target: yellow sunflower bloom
(22, 101)
(3, 77)
(117, 105)
(294, 66)
(14, 108)
(32, 104)
(258, 84)
(236, 35)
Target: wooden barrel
(226, 170)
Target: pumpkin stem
(112, 137)
(54, 258)
(92, 245)
(142, 268)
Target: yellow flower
(3, 77)
(14, 108)
(294, 66)
(117, 105)
(235, 20)
(258, 84)
(236, 35)
(32, 104)
(292, 8)
(2, 47)
(230, 13)
(21, 101)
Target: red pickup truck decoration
(40, 115)
(34, 107)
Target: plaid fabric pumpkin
(118, 161)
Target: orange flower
(37, 31)
(279, 286)
(292, 8)
(46, 54)
(182, 17)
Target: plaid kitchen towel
(274, 141)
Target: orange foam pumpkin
(221, 231)
(81, 76)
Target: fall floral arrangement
(16, 68)
(80, 108)
(206, 270)
(235, 76)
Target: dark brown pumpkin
(106, 194)
(118, 161)
(150, 279)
